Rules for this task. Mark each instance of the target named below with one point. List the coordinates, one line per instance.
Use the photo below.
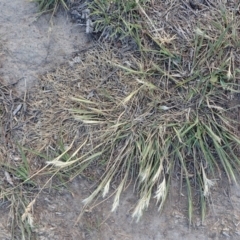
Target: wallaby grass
(162, 123)
(164, 109)
(172, 116)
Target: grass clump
(116, 20)
(165, 118)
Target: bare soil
(61, 210)
(31, 46)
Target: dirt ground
(57, 212)
(31, 47)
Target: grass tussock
(157, 116)
(116, 20)
(148, 116)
